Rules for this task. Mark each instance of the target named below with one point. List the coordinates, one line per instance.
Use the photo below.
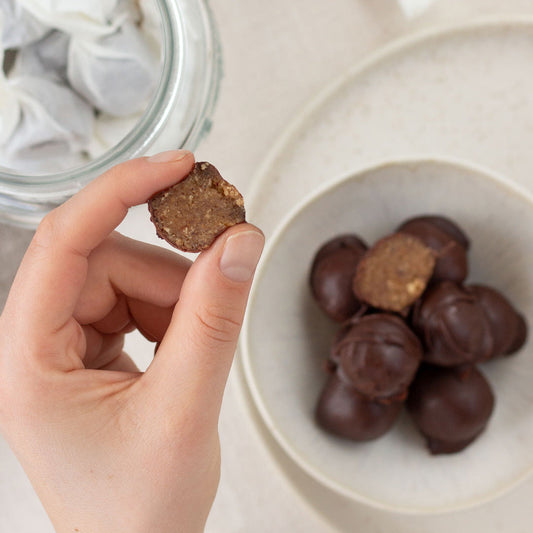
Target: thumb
(197, 351)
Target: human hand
(107, 448)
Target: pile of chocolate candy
(411, 334)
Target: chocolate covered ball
(445, 224)
(452, 326)
(450, 406)
(332, 273)
(342, 411)
(508, 327)
(467, 324)
(447, 239)
(378, 354)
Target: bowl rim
(367, 63)
(248, 372)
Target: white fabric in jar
(116, 73)
(76, 89)
(46, 57)
(54, 124)
(80, 17)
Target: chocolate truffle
(447, 239)
(450, 406)
(342, 411)
(394, 272)
(378, 355)
(192, 213)
(332, 274)
(507, 326)
(452, 325)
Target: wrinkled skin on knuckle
(218, 324)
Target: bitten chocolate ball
(452, 325)
(394, 273)
(342, 411)
(191, 214)
(508, 327)
(332, 274)
(450, 406)
(378, 354)
(447, 239)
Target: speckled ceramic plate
(461, 92)
(286, 337)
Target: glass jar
(178, 115)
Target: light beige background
(277, 55)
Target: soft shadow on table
(13, 244)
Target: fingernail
(241, 254)
(168, 156)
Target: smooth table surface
(277, 55)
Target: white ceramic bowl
(286, 337)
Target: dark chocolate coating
(450, 406)
(332, 273)
(446, 225)
(452, 326)
(520, 338)
(508, 327)
(447, 239)
(378, 354)
(467, 324)
(342, 411)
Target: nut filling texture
(192, 213)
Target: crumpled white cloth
(46, 57)
(19, 26)
(80, 17)
(79, 82)
(116, 72)
(108, 130)
(54, 125)
(151, 24)
(9, 112)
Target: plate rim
(397, 46)
(245, 352)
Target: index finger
(53, 271)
